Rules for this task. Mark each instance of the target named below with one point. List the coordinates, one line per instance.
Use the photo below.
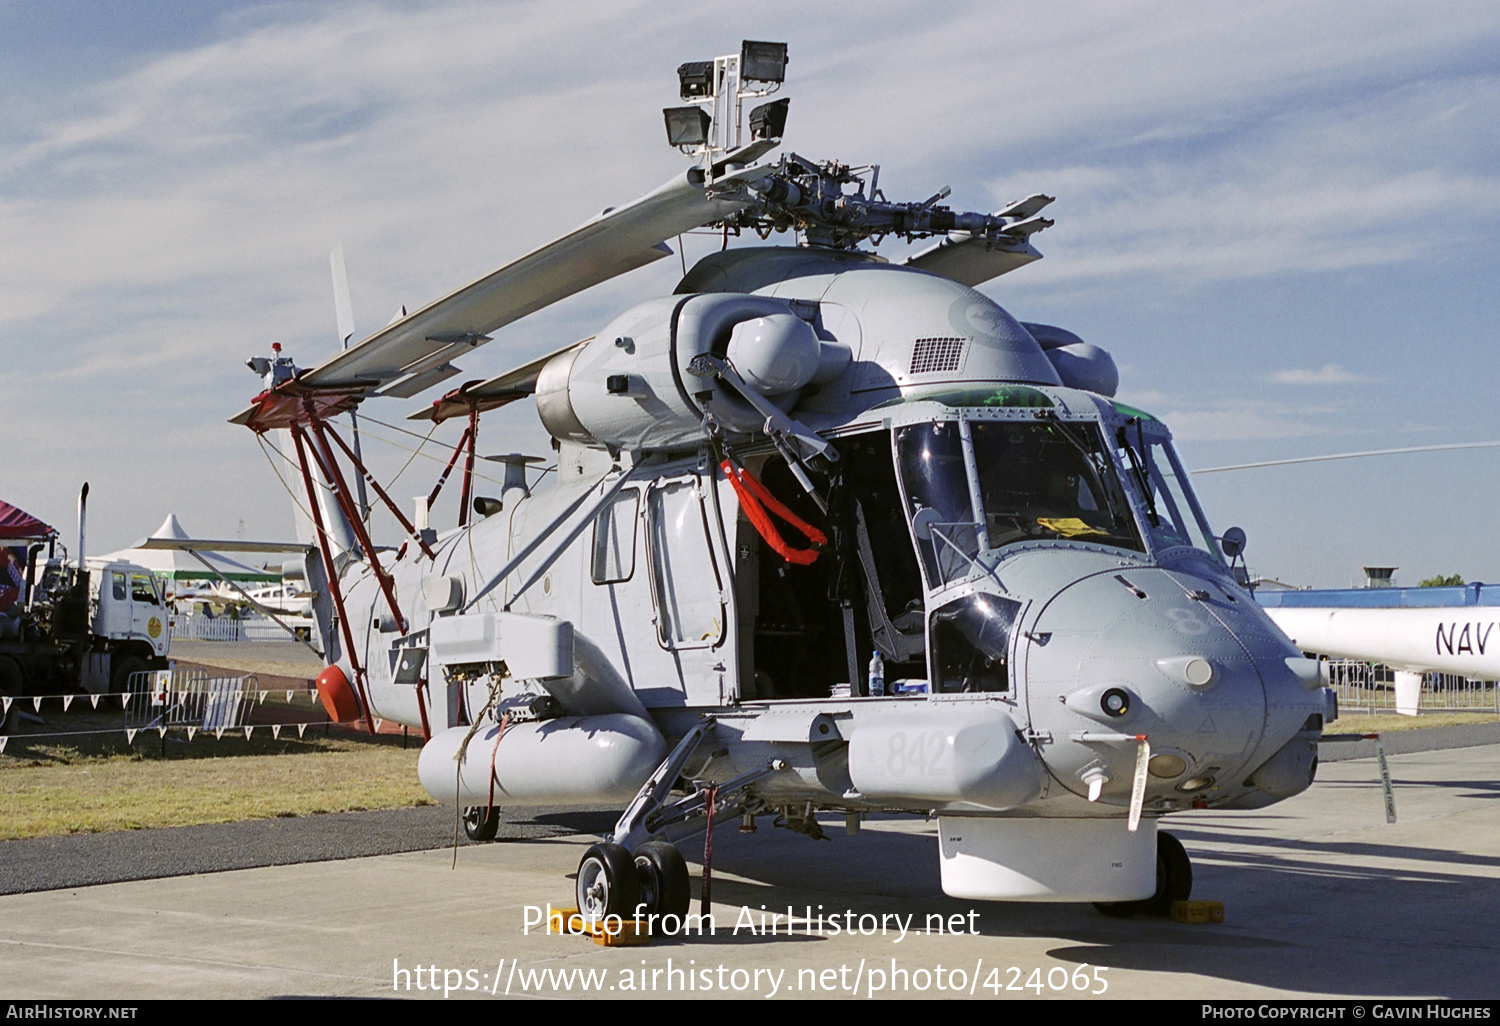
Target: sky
(1281, 218)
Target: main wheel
(665, 889)
(607, 883)
(1174, 876)
(481, 822)
(1174, 882)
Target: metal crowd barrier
(190, 699)
(1365, 687)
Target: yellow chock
(567, 922)
(633, 933)
(1198, 911)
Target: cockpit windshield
(1049, 480)
(1033, 480)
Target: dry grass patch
(40, 798)
(1364, 723)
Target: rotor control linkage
(810, 196)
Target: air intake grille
(936, 355)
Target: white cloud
(1328, 374)
(164, 223)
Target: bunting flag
(36, 704)
(276, 732)
(3, 739)
(161, 731)
(94, 701)
(378, 724)
(129, 736)
(67, 701)
(248, 730)
(124, 699)
(218, 733)
(5, 701)
(289, 694)
(191, 731)
(301, 729)
(263, 695)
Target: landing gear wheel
(664, 884)
(119, 678)
(481, 822)
(1174, 882)
(1174, 877)
(607, 883)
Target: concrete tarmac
(1323, 899)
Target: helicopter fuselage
(1062, 648)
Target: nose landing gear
(1174, 882)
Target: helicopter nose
(1167, 655)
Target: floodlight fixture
(696, 79)
(768, 121)
(687, 126)
(762, 62)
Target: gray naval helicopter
(826, 534)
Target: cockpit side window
(931, 460)
(1171, 517)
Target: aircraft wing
(413, 353)
(492, 394)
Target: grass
(130, 792)
(1364, 723)
(82, 782)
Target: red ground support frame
(305, 413)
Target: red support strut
(395, 511)
(341, 493)
(468, 490)
(333, 576)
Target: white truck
(71, 630)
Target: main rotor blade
(1349, 456)
(616, 241)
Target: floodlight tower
(714, 125)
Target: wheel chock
(633, 933)
(569, 922)
(1198, 911)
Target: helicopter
(825, 533)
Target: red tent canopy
(17, 523)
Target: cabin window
(142, 590)
(117, 586)
(614, 540)
(684, 575)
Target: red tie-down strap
(756, 501)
